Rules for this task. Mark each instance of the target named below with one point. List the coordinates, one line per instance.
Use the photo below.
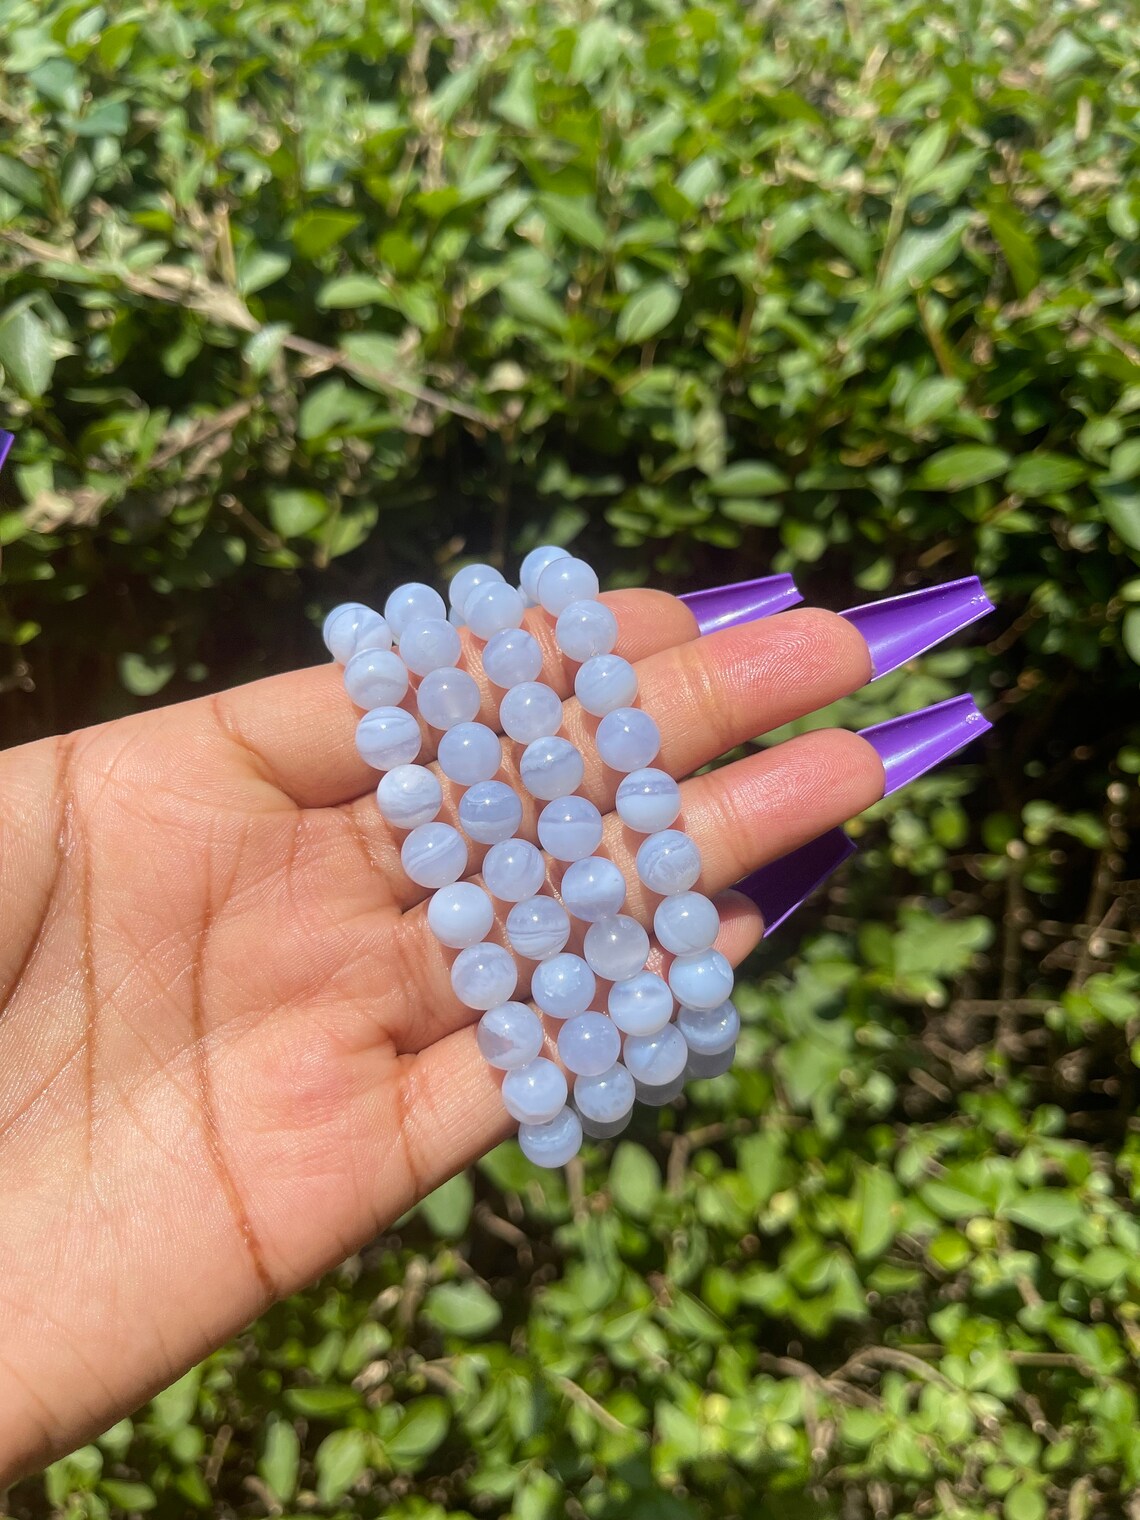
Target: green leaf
(648, 311)
(424, 1427)
(932, 399)
(351, 290)
(1018, 246)
(294, 512)
(1025, 1501)
(315, 232)
(322, 1403)
(962, 465)
(748, 477)
(280, 1459)
(1122, 513)
(920, 255)
(341, 1458)
(1043, 473)
(576, 216)
(26, 350)
(876, 1212)
(448, 1209)
(926, 150)
(259, 267)
(635, 1180)
(532, 304)
(1130, 633)
(264, 348)
(1046, 1210)
(143, 675)
(465, 1309)
(128, 1496)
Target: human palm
(229, 1048)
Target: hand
(229, 1048)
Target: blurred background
(299, 301)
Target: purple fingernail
(743, 602)
(914, 744)
(901, 627)
(781, 886)
(6, 442)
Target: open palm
(229, 1048)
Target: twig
(579, 1396)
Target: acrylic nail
(720, 607)
(6, 442)
(901, 627)
(783, 885)
(915, 743)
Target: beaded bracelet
(635, 1048)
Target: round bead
(585, 629)
(570, 828)
(588, 1044)
(386, 737)
(513, 870)
(648, 800)
(554, 1143)
(564, 581)
(469, 752)
(535, 1093)
(409, 603)
(538, 928)
(708, 1031)
(491, 608)
(434, 855)
(460, 915)
(592, 889)
(512, 657)
(656, 1096)
(641, 1004)
(698, 1067)
(352, 627)
(530, 711)
(490, 811)
(535, 563)
(429, 644)
(606, 1097)
(668, 862)
(509, 1036)
(628, 739)
(447, 697)
(464, 582)
(604, 1131)
(376, 678)
(408, 796)
(656, 1059)
(616, 948)
(701, 981)
(604, 683)
(483, 976)
(456, 618)
(686, 922)
(563, 986)
(551, 767)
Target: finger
(298, 730)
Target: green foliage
(299, 301)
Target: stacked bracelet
(636, 1047)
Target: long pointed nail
(901, 627)
(782, 886)
(743, 602)
(6, 442)
(915, 743)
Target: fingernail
(743, 602)
(914, 744)
(901, 627)
(781, 886)
(6, 442)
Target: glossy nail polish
(901, 627)
(915, 743)
(783, 885)
(720, 607)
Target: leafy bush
(301, 300)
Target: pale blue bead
(530, 711)
(703, 980)
(656, 1059)
(588, 1044)
(429, 644)
(376, 678)
(570, 828)
(535, 563)
(483, 976)
(408, 796)
(616, 948)
(551, 767)
(605, 1098)
(563, 986)
(447, 697)
(668, 862)
(388, 736)
(514, 870)
(460, 915)
(534, 1093)
(511, 657)
(464, 582)
(509, 1036)
(410, 602)
(708, 1031)
(598, 1131)
(648, 800)
(585, 629)
(490, 811)
(491, 608)
(564, 581)
(554, 1143)
(592, 889)
(653, 1096)
(628, 739)
(604, 683)
(434, 855)
(538, 928)
(685, 923)
(641, 1004)
(469, 752)
(352, 627)
(456, 618)
(699, 1068)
